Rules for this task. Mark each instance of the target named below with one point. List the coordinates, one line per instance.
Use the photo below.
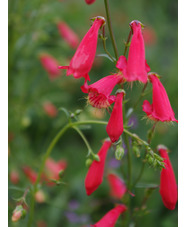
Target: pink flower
(161, 109)
(135, 68)
(82, 61)
(109, 220)
(68, 34)
(117, 186)
(50, 109)
(94, 176)
(30, 174)
(89, 2)
(99, 92)
(115, 124)
(14, 177)
(50, 64)
(53, 168)
(168, 186)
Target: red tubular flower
(109, 220)
(161, 109)
(89, 2)
(68, 34)
(117, 186)
(94, 176)
(168, 186)
(135, 68)
(99, 92)
(50, 109)
(31, 174)
(115, 124)
(53, 168)
(14, 177)
(50, 64)
(82, 61)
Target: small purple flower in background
(133, 121)
(73, 205)
(113, 163)
(74, 218)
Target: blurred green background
(33, 30)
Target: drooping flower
(53, 168)
(94, 176)
(115, 124)
(30, 174)
(50, 109)
(82, 61)
(117, 186)
(14, 177)
(135, 68)
(18, 213)
(68, 34)
(160, 109)
(99, 92)
(168, 186)
(50, 64)
(90, 1)
(109, 220)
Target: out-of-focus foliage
(32, 31)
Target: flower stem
(127, 43)
(110, 28)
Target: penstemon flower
(109, 220)
(115, 124)
(68, 34)
(117, 186)
(168, 186)
(90, 1)
(160, 109)
(135, 67)
(99, 92)
(50, 64)
(94, 176)
(82, 61)
(50, 109)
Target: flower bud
(40, 196)
(119, 152)
(18, 213)
(88, 162)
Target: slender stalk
(141, 96)
(143, 165)
(127, 43)
(84, 139)
(107, 9)
(104, 45)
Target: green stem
(127, 43)
(104, 45)
(51, 146)
(143, 165)
(85, 140)
(110, 28)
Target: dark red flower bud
(109, 220)
(168, 186)
(94, 176)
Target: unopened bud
(136, 151)
(96, 157)
(119, 153)
(88, 162)
(61, 173)
(18, 213)
(40, 196)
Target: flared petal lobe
(82, 61)
(117, 186)
(110, 219)
(99, 93)
(115, 124)
(161, 109)
(94, 176)
(168, 186)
